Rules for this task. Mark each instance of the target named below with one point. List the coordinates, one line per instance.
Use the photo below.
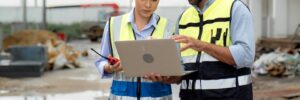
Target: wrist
(201, 46)
(205, 46)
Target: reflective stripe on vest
(204, 58)
(116, 97)
(123, 86)
(213, 26)
(216, 84)
(149, 89)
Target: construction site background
(70, 73)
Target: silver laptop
(142, 57)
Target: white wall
(10, 14)
(73, 15)
(15, 14)
(121, 3)
(293, 15)
(277, 18)
(280, 16)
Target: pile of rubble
(60, 55)
(277, 57)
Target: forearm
(105, 51)
(221, 53)
(102, 69)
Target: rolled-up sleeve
(105, 51)
(242, 36)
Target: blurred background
(45, 47)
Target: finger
(165, 78)
(175, 37)
(181, 40)
(117, 65)
(146, 77)
(153, 77)
(119, 69)
(158, 78)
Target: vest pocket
(159, 89)
(217, 70)
(119, 88)
(220, 94)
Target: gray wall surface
(276, 18)
(74, 15)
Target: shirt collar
(153, 20)
(207, 4)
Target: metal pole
(44, 23)
(25, 13)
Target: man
(139, 24)
(216, 38)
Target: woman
(139, 24)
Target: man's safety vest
(124, 87)
(214, 80)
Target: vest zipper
(138, 89)
(198, 65)
(138, 93)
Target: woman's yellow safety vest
(124, 87)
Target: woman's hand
(113, 68)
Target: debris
(280, 62)
(28, 37)
(291, 96)
(60, 55)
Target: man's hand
(113, 68)
(164, 79)
(172, 79)
(189, 42)
(154, 77)
(221, 53)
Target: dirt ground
(270, 88)
(85, 84)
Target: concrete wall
(275, 18)
(293, 15)
(90, 14)
(280, 16)
(272, 18)
(74, 15)
(15, 14)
